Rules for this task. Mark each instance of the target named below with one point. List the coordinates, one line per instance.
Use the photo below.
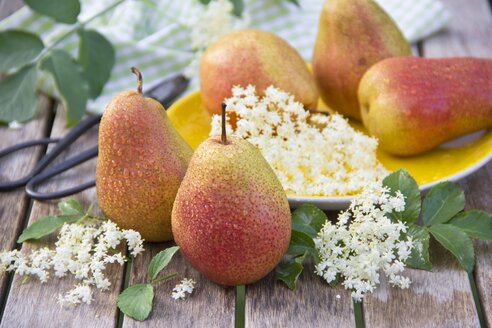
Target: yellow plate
(452, 161)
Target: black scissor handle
(9, 185)
(61, 167)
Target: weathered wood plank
(270, 303)
(34, 304)
(470, 34)
(210, 305)
(442, 298)
(14, 204)
(478, 190)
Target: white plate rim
(341, 203)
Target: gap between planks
(15, 205)
(35, 304)
(444, 297)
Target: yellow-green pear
(142, 161)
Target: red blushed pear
(352, 36)
(412, 105)
(142, 160)
(258, 58)
(231, 216)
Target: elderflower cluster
(186, 286)
(83, 250)
(207, 24)
(363, 242)
(312, 154)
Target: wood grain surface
(270, 303)
(14, 205)
(33, 304)
(442, 298)
(210, 305)
(470, 34)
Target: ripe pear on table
(412, 104)
(253, 57)
(142, 161)
(352, 36)
(231, 216)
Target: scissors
(165, 92)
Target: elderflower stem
(156, 281)
(74, 29)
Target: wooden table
(446, 297)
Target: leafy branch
(441, 213)
(24, 56)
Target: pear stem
(224, 134)
(139, 79)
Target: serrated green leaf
(289, 271)
(402, 181)
(63, 11)
(300, 243)
(18, 95)
(96, 57)
(457, 242)
(309, 219)
(476, 224)
(136, 301)
(72, 87)
(419, 257)
(45, 226)
(160, 261)
(18, 48)
(71, 207)
(442, 202)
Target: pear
(258, 58)
(142, 161)
(352, 36)
(412, 105)
(231, 216)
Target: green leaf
(18, 95)
(402, 181)
(136, 301)
(97, 57)
(289, 271)
(442, 202)
(71, 207)
(300, 243)
(419, 257)
(238, 7)
(160, 261)
(457, 242)
(476, 224)
(205, 2)
(18, 48)
(63, 11)
(71, 85)
(309, 219)
(45, 226)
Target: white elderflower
(186, 286)
(84, 250)
(365, 242)
(80, 294)
(312, 154)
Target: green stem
(156, 281)
(74, 29)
